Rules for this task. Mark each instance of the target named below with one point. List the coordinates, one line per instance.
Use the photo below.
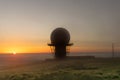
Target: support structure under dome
(60, 38)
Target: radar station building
(60, 39)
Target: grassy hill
(67, 69)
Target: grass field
(68, 69)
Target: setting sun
(14, 52)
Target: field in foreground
(68, 69)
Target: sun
(14, 52)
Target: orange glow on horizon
(90, 49)
(14, 53)
(19, 46)
(25, 50)
(46, 49)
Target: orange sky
(43, 49)
(27, 47)
(26, 25)
(24, 47)
(20, 46)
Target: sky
(26, 25)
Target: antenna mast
(113, 50)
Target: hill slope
(67, 69)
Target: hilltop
(67, 69)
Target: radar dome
(60, 36)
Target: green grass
(74, 69)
